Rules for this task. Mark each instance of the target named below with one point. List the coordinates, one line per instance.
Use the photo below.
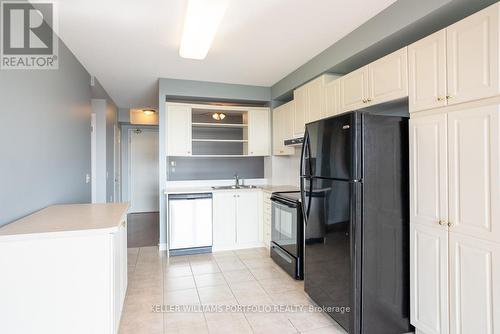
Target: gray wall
(45, 138)
(194, 168)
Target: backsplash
(202, 168)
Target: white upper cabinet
(354, 89)
(283, 128)
(474, 285)
(388, 77)
(301, 98)
(316, 107)
(383, 80)
(333, 103)
(429, 278)
(427, 72)
(259, 132)
(457, 64)
(428, 170)
(474, 171)
(179, 142)
(310, 103)
(472, 56)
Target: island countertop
(104, 217)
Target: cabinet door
(249, 217)
(277, 129)
(300, 96)
(224, 220)
(332, 98)
(427, 72)
(354, 89)
(472, 56)
(315, 100)
(428, 170)
(429, 278)
(259, 132)
(179, 130)
(474, 285)
(282, 129)
(473, 139)
(388, 77)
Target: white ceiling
(129, 44)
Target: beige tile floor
(244, 277)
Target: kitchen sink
(235, 187)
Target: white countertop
(207, 189)
(69, 218)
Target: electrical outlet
(87, 178)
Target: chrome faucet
(236, 180)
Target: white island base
(64, 270)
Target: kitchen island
(64, 270)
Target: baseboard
(162, 246)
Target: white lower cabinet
(237, 220)
(474, 285)
(267, 213)
(429, 278)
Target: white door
(473, 56)
(429, 278)
(474, 171)
(474, 285)
(315, 100)
(248, 217)
(300, 97)
(354, 89)
(224, 220)
(179, 130)
(428, 170)
(143, 157)
(259, 132)
(333, 104)
(388, 77)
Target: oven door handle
(288, 204)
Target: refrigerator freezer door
(328, 270)
(190, 221)
(329, 148)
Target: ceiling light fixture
(218, 116)
(149, 112)
(200, 26)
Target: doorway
(143, 218)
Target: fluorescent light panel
(200, 26)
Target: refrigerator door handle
(303, 154)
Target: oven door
(284, 225)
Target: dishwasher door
(190, 221)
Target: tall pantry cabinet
(455, 178)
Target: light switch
(87, 178)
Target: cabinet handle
(450, 224)
(364, 101)
(448, 97)
(442, 223)
(440, 98)
(369, 100)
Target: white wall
(283, 170)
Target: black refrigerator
(355, 195)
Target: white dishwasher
(190, 223)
